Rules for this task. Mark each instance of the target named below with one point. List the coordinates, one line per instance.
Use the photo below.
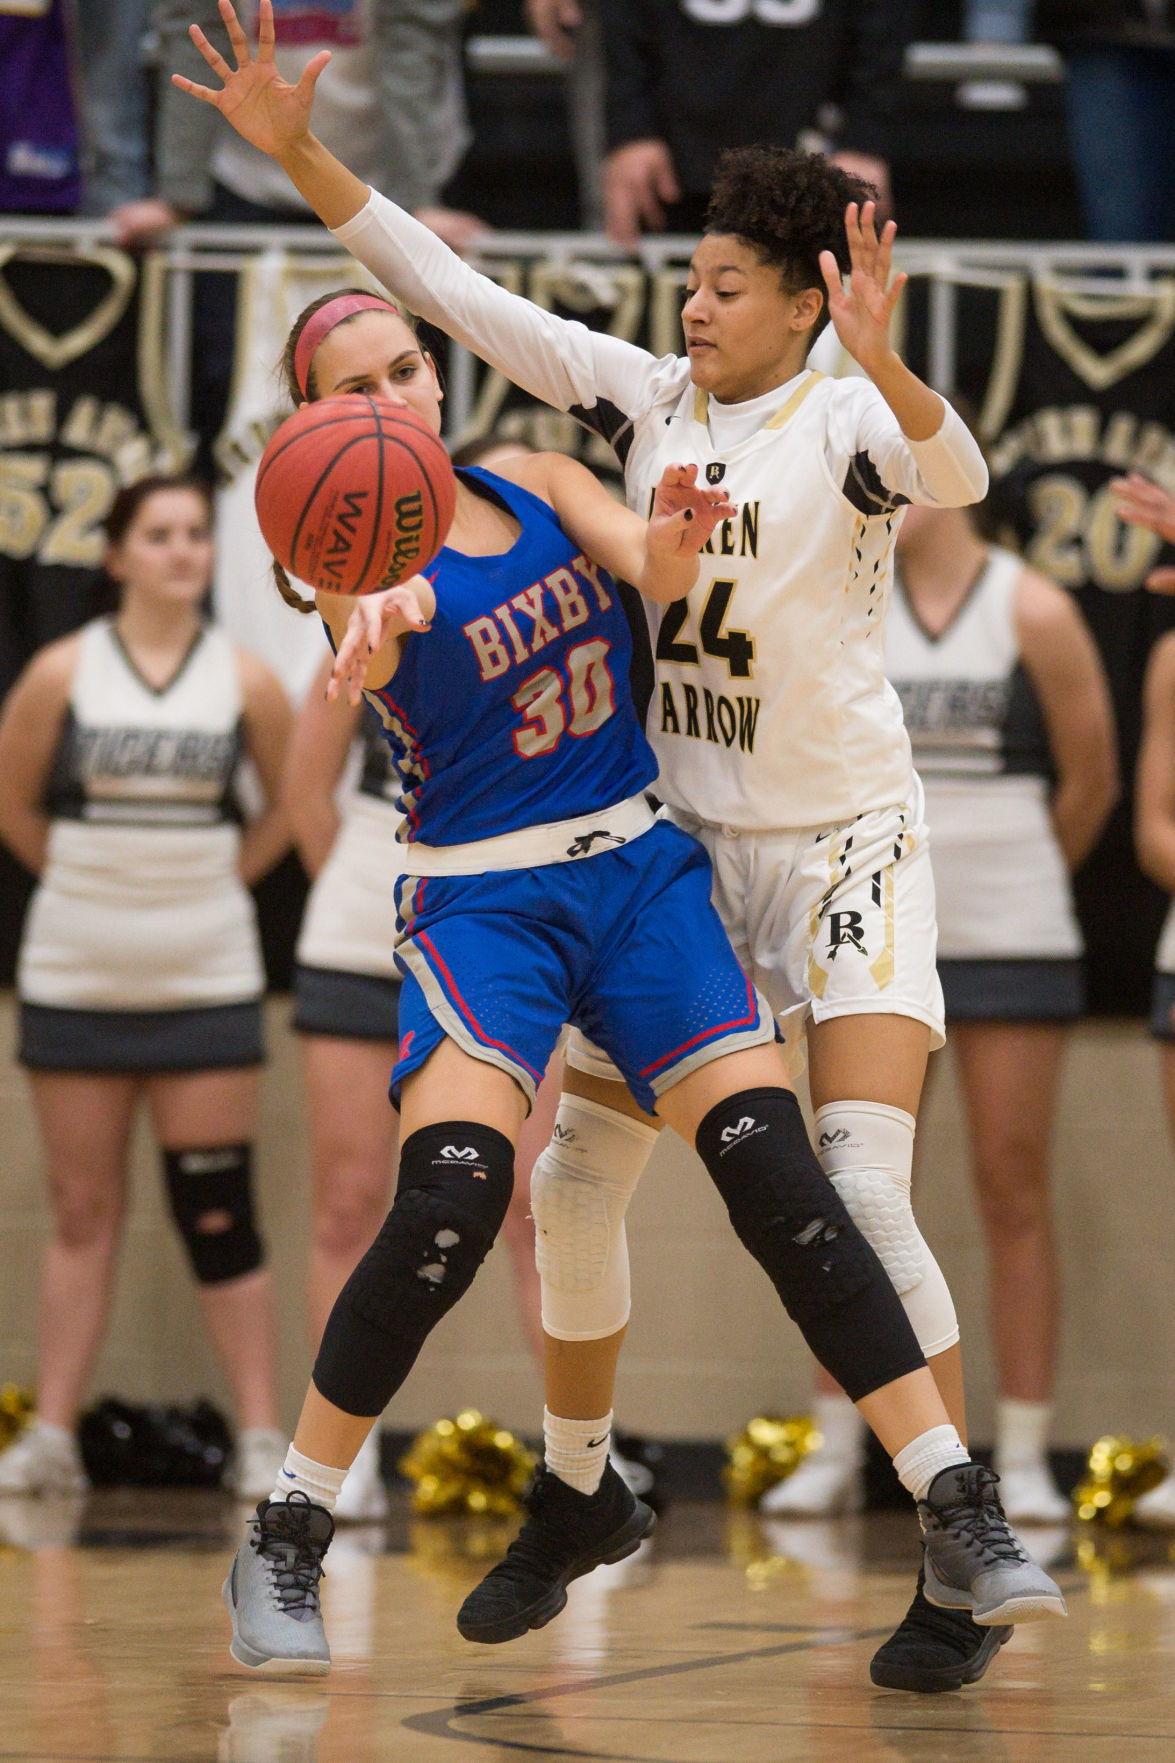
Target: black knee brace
(792, 1220)
(211, 1197)
(455, 1185)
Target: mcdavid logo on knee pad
(739, 1133)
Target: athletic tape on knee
(210, 1192)
(579, 1193)
(867, 1150)
(792, 1220)
(455, 1183)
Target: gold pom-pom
(768, 1449)
(16, 1410)
(467, 1466)
(1119, 1471)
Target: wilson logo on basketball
(409, 523)
(354, 494)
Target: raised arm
(920, 447)
(1062, 661)
(555, 359)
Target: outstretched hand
(1140, 503)
(265, 109)
(376, 618)
(684, 514)
(861, 312)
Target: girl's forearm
(264, 842)
(335, 194)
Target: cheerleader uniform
(346, 982)
(140, 950)
(1009, 946)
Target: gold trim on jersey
(1055, 303)
(782, 416)
(52, 351)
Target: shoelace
(295, 1557)
(984, 1520)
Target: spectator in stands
(115, 96)
(1120, 56)
(40, 170)
(391, 99)
(571, 30)
(687, 78)
(997, 21)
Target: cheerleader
(139, 976)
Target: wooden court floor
(733, 1641)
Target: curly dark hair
(789, 206)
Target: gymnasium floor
(735, 1641)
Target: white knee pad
(579, 1193)
(866, 1150)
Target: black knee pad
(210, 1191)
(455, 1184)
(792, 1220)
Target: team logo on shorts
(846, 928)
(716, 471)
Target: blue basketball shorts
(624, 945)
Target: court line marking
(438, 1722)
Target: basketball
(354, 494)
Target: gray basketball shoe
(974, 1560)
(271, 1592)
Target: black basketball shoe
(934, 1650)
(566, 1534)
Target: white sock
(1021, 1433)
(841, 1428)
(59, 1437)
(921, 1460)
(320, 1482)
(576, 1450)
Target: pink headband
(323, 321)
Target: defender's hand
(265, 109)
(861, 313)
(684, 514)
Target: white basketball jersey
(771, 707)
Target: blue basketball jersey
(515, 709)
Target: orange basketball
(354, 494)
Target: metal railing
(949, 265)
